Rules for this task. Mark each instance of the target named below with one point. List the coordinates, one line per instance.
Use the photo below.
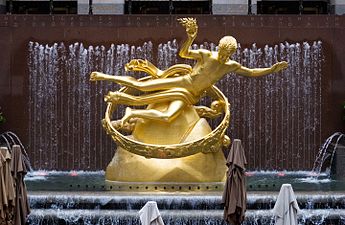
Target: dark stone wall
(16, 32)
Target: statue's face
(223, 55)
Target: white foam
(314, 180)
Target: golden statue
(170, 140)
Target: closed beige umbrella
(286, 207)
(7, 187)
(3, 193)
(19, 170)
(235, 195)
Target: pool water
(256, 181)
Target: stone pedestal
(254, 7)
(234, 7)
(338, 7)
(83, 7)
(102, 7)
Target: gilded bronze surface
(212, 142)
(172, 126)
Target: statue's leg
(146, 99)
(174, 109)
(149, 85)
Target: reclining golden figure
(188, 87)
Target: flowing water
(256, 181)
(195, 217)
(324, 159)
(191, 208)
(54, 201)
(278, 117)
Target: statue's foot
(116, 124)
(95, 76)
(126, 127)
(135, 64)
(112, 97)
(128, 115)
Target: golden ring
(211, 142)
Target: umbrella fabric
(149, 214)
(3, 194)
(7, 187)
(234, 195)
(18, 169)
(286, 207)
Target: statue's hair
(228, 43)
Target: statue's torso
(207, 72)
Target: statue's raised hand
(190, 25)
(279, 66)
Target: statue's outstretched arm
(191, 29)
(257, 72)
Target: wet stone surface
(54, 201)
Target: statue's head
(226, 47)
